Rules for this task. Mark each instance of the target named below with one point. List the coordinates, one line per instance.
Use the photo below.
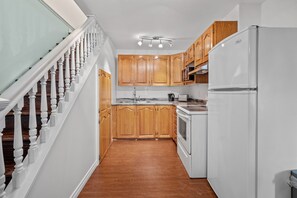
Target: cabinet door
(191, 54)
(105, 131)
(163, 121)
(160, 71)
(146, 121)
(207, 42)
(198, 52)
(126, 70)
(176, 69)
(126, 121)
(174, 124)
(142, 71)
(186, 58)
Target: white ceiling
(183, 20)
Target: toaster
(183, 97)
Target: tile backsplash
(197, 91)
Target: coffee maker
(171, 97)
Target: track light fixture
(157, 39)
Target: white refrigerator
(252, 113)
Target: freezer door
(232, 63)
(231, 169)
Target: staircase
(38, 100)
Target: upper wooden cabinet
(218, 31)
(135, 70)
(104, 90)
(190, 54)
(160, 71)
(126, 70)
(142, 70)
(146, 121)
(198, 51)
(177, 63)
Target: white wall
(74, 151)
(279, 13)
(68, 10)
(246, 14)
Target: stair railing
(68, 59)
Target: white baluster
(72, 68)
(2, 165)
(88, 42)
(81, 55)
(85, 48)
(43, 110)
(53, 95)
(77, 61)
(92, 39)
(19, 171)
(32, 152)
(61, 85)
(67, 76)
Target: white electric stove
(192, 138)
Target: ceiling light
(157, 39)
(151, 44)
(160, 44)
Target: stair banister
(20, 88)
(74, 49)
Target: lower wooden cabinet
(174, 124)
(126, 122)
(105, 131)
(163, 121)
(144, 121)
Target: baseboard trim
(85, 179)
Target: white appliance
(252, 113)
(183, 97)
(192, 138)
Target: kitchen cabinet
(126, 70)
(143, 121)
(190, 54)
(198, 52)
(105, 132)
(174, 124)
(126, 122)
(114, 121)
(146, 121)
(142, 71)
(160, 70)
(163, 121)
(104, 90)
(215, 33)
(186, 58)
(138, 70)
(177, 63)
(105, 137)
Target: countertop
(157, 101)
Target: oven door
(184, 130)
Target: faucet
(134, 95)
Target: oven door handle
(183, 115)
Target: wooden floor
(144, 168)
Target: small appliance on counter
(171, 97)
(183, 97)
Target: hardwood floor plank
(145, 168)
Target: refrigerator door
(231, 169)
(232, 63)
